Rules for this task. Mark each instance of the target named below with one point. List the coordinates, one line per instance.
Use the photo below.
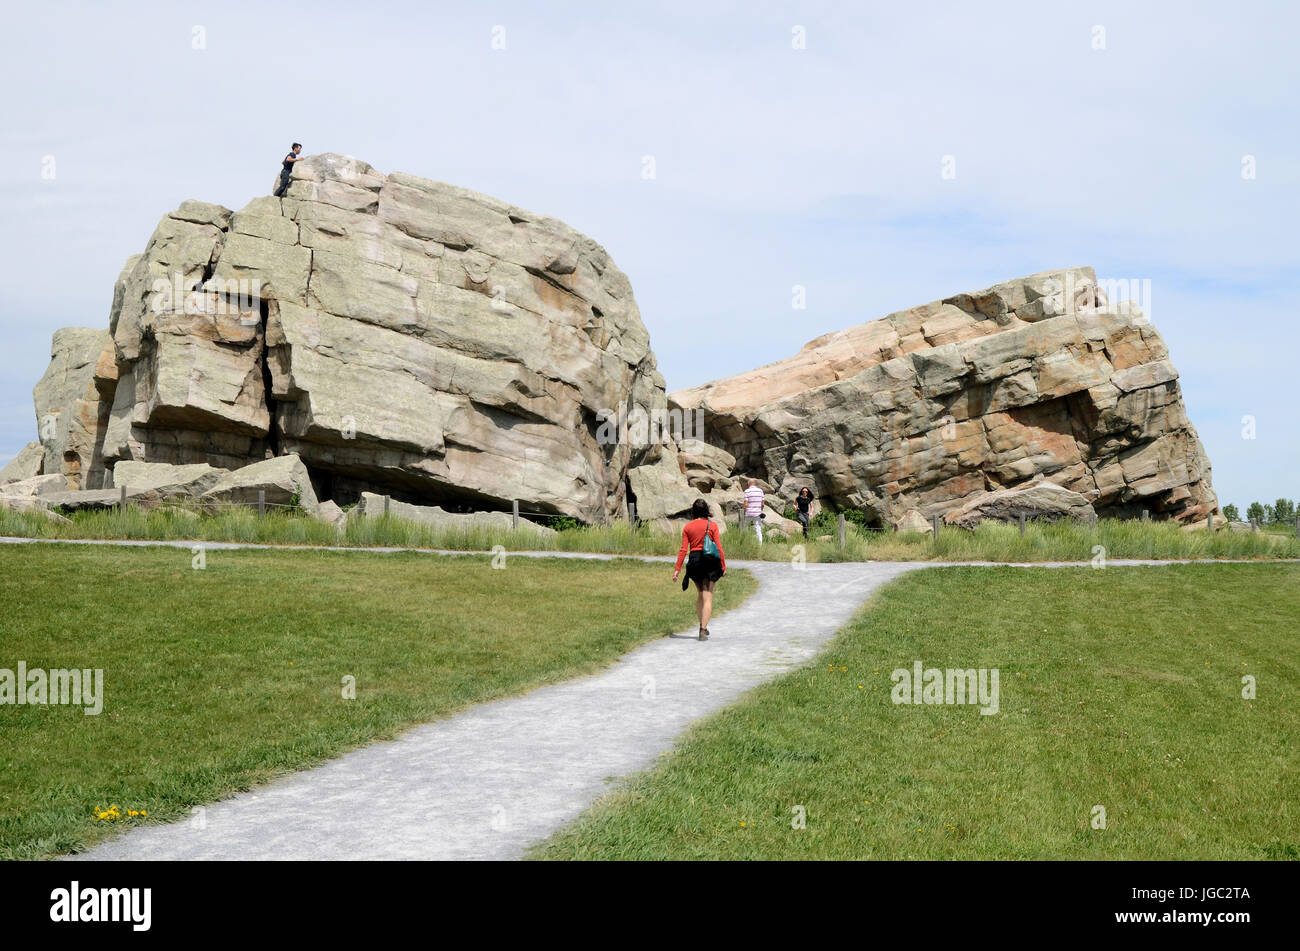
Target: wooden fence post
(631, 512)
(934, 522)
(1022, 523)
(841, 530)
(261, 503)
(1092, 521)
(121, 501)
(514, 515)
(1209, 523)
(386, 499)
(1297, 526)
(1146, 515)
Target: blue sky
(774, 166)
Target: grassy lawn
(989, 542)
(221, 678)
(1118, 688)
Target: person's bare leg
(699, 605)
(706, 604)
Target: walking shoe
(704, 633)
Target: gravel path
(486, 783)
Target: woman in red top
(704, 570)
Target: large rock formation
(389, 334)
(397, 334)
(933, 407)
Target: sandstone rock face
(1042, 502)
(660, 487)
(389, 334)
(26, 465)
(933, 407)
(70, 413)
(396, 334)
(705, 466)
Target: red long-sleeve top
(693, 540)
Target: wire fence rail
(197, 504)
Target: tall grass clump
(990, 541)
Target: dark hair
(296, 145)
(700, 509)
(806, 489)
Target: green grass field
(990, 542)
(1119, 688)
(221, 678)
(1286, 529)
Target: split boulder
(284, 479)
(166, 479)
(25, 465)
(1043, 502)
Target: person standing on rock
(803, 504)
(287, 170)
(705, 562)
(754, 508)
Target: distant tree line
(1283, 511)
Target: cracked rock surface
(930, 409)
(399, 335)
(404, 337)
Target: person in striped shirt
(754, 508)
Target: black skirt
(702, 567)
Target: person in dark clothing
(699, 541)
(287, 170)
(804, 503)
